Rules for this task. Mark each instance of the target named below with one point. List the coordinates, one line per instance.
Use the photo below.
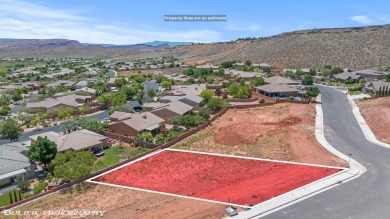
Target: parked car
(106, 120)
(231, 211)
(177, 128)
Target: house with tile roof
(190, 99)
(345, 76)
(173, 109)
(14, 164)
(134, 124)
(78, 140)
(277, 90)
(280, 80)
(374, 88)
(72, 101)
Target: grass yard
(5, 65)
(355, 92)
(115, 155)
(4, 198)
(176, 133)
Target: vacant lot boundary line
(255, 158)
(165, 193)
(91, 180)
(126, 164)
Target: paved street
(58, 128)
(364, 197)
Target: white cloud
(363, 19)
(24, 20)
(252, 27)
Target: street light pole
(349, 161)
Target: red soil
(376, 112)
(225, 179)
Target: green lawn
(357, 92)
(4, 198)
(176, 133)
(115, 154)
(4, 65)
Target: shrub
(23, 185)
(261, 101)
(39, 187)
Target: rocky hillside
(363, 47)
(36, 43)
(357, 47)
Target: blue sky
(128, 22)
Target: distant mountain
(36, 43)
(354, 47)
(159, 43)
(148, 45)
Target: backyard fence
(153, 147)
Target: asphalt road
(58, 128)
(367, 196)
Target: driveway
(25, 136)
(365, 197)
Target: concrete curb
(364, 126)
(314, 188)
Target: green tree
(233, 88)
(17, 95)
(70, 125)
(221, 71)
(248, 62)
(120, 82)
(307, 80)
(207, 94)
(147, 136)
(43, 150)
(139, 79)
(83, 109)
(10, 130)
(267, 69)
(73, 165)
(11, 201)
(4, 111)
(258, 81)
(312, 92)
(216, 104)
(312, 71)
(24, 90)
(362, 81)
(118, 98)
(93, 125)
(65, 113)
(104, 99)
(166, 84)
(190, 80)
(151, 93)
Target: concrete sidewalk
(364, 126)
(8, 189)
(311, 189)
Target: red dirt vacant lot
(218, 178)
(279, 132)
(376, 112)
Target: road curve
(26, 135)
(367, 196)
